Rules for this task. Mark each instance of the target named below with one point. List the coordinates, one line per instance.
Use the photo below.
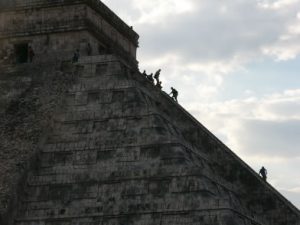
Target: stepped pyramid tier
(58, 27)
(95, 143)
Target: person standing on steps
(150, 78)
(156, 76)
(76, 56)
(174, 94)
(159, 85)
(263, 172)
(144, 73)
(30, 54)
(89, 49)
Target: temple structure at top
(56, 28)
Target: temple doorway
(21, 53)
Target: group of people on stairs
(152, 78)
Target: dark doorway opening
(21, 53)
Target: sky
(236, 66)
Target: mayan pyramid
(95, 143)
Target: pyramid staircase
(123, 153)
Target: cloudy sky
(236, 65)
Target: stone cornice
(96, 5)
(67, 26)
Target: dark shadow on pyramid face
(21, 51)
(93, 141)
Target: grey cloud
(284, 109)
(267, 127)
(293, 196)
(269, 138)
(209, 34)
(213, 31)
(125, 9)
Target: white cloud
(279, 4)
(205, 33)
(156, 11)
(287, 45)
(295, 190)
(208, 34)
(266, 127)
(150, 12)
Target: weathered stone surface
(124, 153)
(26, 115)
(96, 143)
(57, 28)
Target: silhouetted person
(89, 49)
(144, 73)
(174, 93)
(76, 56)
(30, 53)
(159, 85)
(150, 78)
(263, 172)
(156, 75)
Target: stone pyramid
(95, 143)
